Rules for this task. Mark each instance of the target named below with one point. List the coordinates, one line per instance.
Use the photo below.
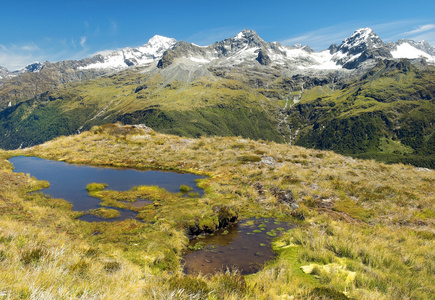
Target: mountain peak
(361, 40)
(246, 34)
(159, 40)
(245, 38)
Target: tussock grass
(369, 220)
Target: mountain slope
(387, 114)
(39, 78)
(359, 98)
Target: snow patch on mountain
(127, 57)
(406, 50)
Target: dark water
(245, 246)
(68, 181)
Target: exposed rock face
(4, 74)
(284, 196)
(263, 58)
(241, 53)
(35, 67)
(362, 46)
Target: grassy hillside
(365, 229)
(388, 115)
(222, 107)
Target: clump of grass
(190, 284)
(106, 213)
(185, 189)
(327, 293)
(245, 159)
(112, 266)
(96, 187)
(80, 268)
(33, 256)
(231, 283)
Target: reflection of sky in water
(69, 181)
(241, 248)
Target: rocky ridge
(244, 53)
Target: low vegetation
(386, 114)
(365, 230)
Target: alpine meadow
(323, 158)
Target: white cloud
(113, 27)
(82, 41)
(421, 29)
(30, 47)
(13, 60)
(322, 38)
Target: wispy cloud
(212, 35)
(321, 38)
(83, 41)
(30, 47)
(113, 27)
(17, 56)
(421, 29)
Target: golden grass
(369, 220)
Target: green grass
(351, 215)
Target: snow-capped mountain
(411, 50)
(361, 49)
(247, 48)
(139, 56)
(244, 53)
(4, 73)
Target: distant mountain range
(362, 47)
(362, 96)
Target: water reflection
(245, 246)
(68, 181)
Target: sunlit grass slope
(365, 230)
(388, 115)
(221, 107)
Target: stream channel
(245, 245)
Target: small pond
(245, 246)
(69, 181)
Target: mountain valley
(364, 98)
(335, 147)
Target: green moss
(354, 210)
(95, 187)
(425, 214)
(105, 213)
(185, 189)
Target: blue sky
(59, 30)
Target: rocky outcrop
(263, 58)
